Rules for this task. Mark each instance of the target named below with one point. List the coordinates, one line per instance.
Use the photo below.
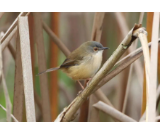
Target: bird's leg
(85, 84)
(81, 85)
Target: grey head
(93, 46)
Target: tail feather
(49, 70)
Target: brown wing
(68, 63)
(74, 58)
(71, 62)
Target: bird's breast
(87, 67)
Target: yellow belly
(86, 69)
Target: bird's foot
(80, 92)
(87, 81)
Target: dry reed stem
(54, 63)
(12, 51)
(93, 112)
(46, 112)
(8, 38)
(78, 101)
(96, 36)
(8, 112)
(149, 30)
(143, 38)
(113, 112)
(18, 99)
(23, 33)
(151, 97)
(131, 70)
(157, 98)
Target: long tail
(49, 70)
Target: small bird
(83, 63)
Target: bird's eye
(95, 48)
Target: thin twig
(9, 113)
(56, 40)
(113, 112)
(13, 26)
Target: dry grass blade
(56, 40)
(149, 30)
(143, 38)
(78, 101)
(18, 100)
(113, 112)
(46, 112)
(9, 113)
(23, 33)
(151, 99)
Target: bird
(83, 63)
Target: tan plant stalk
(113, 112)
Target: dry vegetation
(125, 89)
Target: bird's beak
(103, 48)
